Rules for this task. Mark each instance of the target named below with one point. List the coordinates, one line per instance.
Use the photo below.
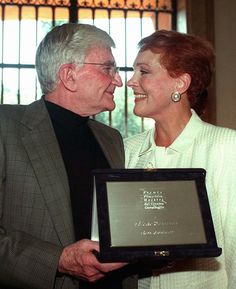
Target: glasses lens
(117, 69)
(111, 69)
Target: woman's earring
(176, 96)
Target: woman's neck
(166, 131)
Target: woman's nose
(131, 82)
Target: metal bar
(174, 14)
(7, 65)
(73, 15)
(3, 22)
(36, 31)
(19, 53)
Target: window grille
(23, 23)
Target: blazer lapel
(106, 141)
(44, 153)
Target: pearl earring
(176, 96)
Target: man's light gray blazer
(35, 209)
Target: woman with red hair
(171, 74)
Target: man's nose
(117, 80)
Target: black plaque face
(154, 213)
(151, 214)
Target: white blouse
(200, 145)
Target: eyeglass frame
(115, 69)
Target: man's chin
(110, 107)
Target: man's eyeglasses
(108, 68)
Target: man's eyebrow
(110, 62)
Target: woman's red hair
(183, 53)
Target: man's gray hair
(67, 43)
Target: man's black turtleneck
(81, 153)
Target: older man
(47, 152)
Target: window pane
(1, 34)
(27, 85)
(61, 16)
(28, 36)
(117, 32)
(85, 16)
(38, 89)
(148, 23)
(103, 117)
(134, 122)
(118, 115)
(11, 35)
(164, 21)
(101, 19)
(44, 22)
(133, 35)
(10, 80)
(181, 16)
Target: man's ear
(67, 76)
(183, 82)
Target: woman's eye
(143, 71)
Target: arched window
(23, 23)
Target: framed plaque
(152, 214)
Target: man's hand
(78, 260)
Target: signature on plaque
(156, 227)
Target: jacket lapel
(106, 141)
(44, 153)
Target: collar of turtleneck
(64, 116)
